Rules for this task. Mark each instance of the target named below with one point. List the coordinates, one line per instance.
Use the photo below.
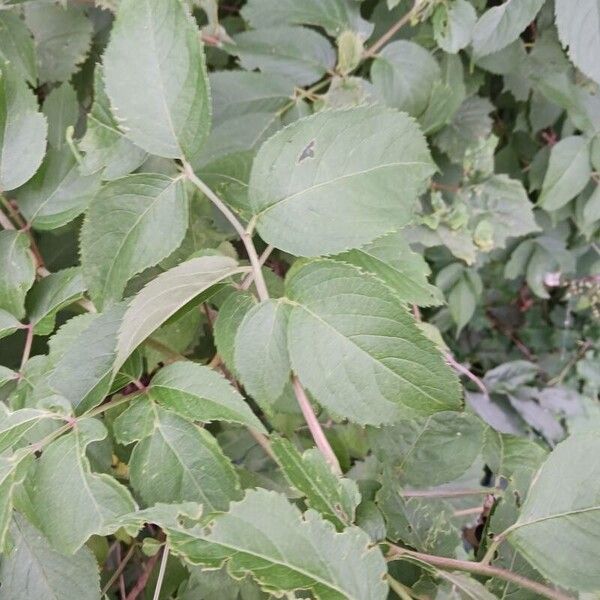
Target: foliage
(299, 298)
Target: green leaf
(334, 16)
(33, 569)
(175, 461)
(390, 259)
(167, 294)
(16, 46)
(336, 499)
(8, 324)
(15, 425)
(104, 143)
(308, 192)
(22, 130)
(84, 372)
(62, 111)
(156, 78)
(266, 536)
(568, 172)
(298, 53)
(18, 271)
(453, 25)
(371, 365)
(200, 394)
(229, 319)
(132, 223)
(403, 75)
(51, 294)
(562, 510)
(501, 25)
(57, 193)
(71, 502)
(579, 30)
(261, 357)
(62, 35)
(429, 451)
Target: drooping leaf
(62, 35)
(156, 78)
(579, 31)
(104, 143)
(166, 295)
(368, 365)
(563, 507)
(429, 451)
(403, 75)
(335, 498)
(22, 130)
(298, 53)
(18, 271)
(58, 192)
(132, 223)
(16, 46)
(453, 25)
(33, 569)
(175, 460)
(501, 25)
(8, 323)
(62, 111)
(200, 394)
(266, 536)
(568, 172)
(308, 191)
(334, 16)
(390, 259)
(70, 501)
(261, 357)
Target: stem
(452, 564)
(161, 573)
(27, 348)
(118, 570)
(315, 427)
(462, 369)
(6, 222)
(140, 584)
(445, 493)
(391, 32)
(399, 589)
(262, 260)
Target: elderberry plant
(299, 298)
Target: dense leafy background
(403, 402)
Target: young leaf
(390, 259)
(561, 510)
(198, 393)
(22, 130)
(308, 192)
(18, 271)
(261, 356)
(568, 172)
(132, 223)
(166, 295)
(336, 499)
(266, 536)
(70, 502)
(8, 324)
(16, 46)
(501, 25)
(33, 569)
(156, 78)
(372, 365)
(57, 193)
(175, 461)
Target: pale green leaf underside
(338, 179)
(356, 348)
(18, 271)
(165, 295)
(156, 78)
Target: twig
(161, 573)
(446, 493)
(315, 427)
(27, 347)
(399, 588)
(452, 564)
(247, 282)
(245, 234)
(118, 571)
(462, 369)
(140, 584)
(391, 32)
(6, 222)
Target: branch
(392, 31)
(6, 222)
(118, 570)
(247, 282)
(452, 564)
(140, 584)
(245, 235)
(462, 369)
